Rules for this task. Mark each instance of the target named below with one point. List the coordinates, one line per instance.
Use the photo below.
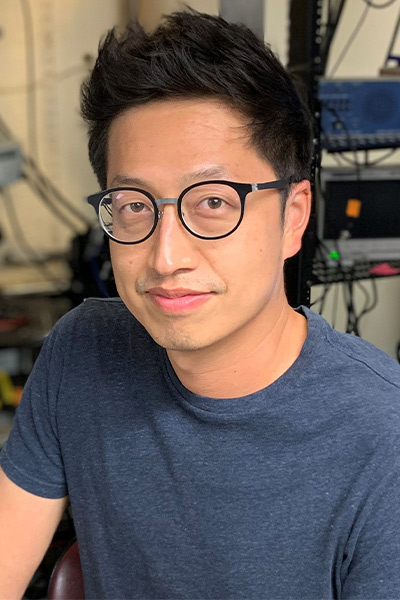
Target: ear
(297, 213)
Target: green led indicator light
(334, 255)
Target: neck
(250, 360)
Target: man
(213, 442)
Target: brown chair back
(66, 581)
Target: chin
(176, 333)
(178, 341)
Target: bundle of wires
(347, 279)
(55, 201)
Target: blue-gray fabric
(288, 493)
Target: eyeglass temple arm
(279, 184)
(94, 199)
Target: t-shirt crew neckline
(255, 401)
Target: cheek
(262, 243)
(249, 262)
(127, 264)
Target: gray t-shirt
(288, 493)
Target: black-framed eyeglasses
(209, 210)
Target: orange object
(353, 208)
(17, 394)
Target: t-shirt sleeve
(31, 457)
(371, 567)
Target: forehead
(181, 136)
(171, 114)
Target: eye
(135, 207)
(131, 203)
(214, 202)
(211, 200)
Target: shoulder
(360, 356)
(361, 382)
(93, 309)
(96, 313)
(98, 322)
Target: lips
(179, 299)
(175, 293)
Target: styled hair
(193, 55)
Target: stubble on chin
(174, 336)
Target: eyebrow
(127, 180)
(200, 174)
(215, 171)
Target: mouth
(178, 300)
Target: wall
(150, 11)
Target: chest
(204, 501)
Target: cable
(339, 120)
(382, 158)
(351, 39)
(334, 15)
(367, 306)
(384, 5)
(5, 131)
(366, 164)
(356, 165)
(346, 159)
(368, 309)
(41, 192)
(349, 301)
(337, 157)
(15, 225)
(335, 305)
(321, 299)
(361, 287)
(321, 244)
(393, 40)
(48, 184)
(31, 107)
(47, 191)
(353, 319)
(20, 238)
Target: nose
(173, 246)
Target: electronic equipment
(359, 214)
(10, 157)
(10, 162)
(359, 114)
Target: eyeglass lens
(208, 210)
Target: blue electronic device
(359, 114)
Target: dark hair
(195, 55)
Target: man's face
(191, 293)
